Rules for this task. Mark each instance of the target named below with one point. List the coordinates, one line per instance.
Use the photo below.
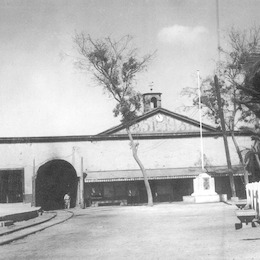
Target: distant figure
(129, 197)
(87, 195)
(67, 200)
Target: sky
(43, 93)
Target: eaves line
(96, 138)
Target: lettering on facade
(168, 124)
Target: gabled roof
(162, 111)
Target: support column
(33, 202)
(82, 185)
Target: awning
(158, 174)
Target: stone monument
(204, 190)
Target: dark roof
(152, 93)
(161, 111)
(160, 174)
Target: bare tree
(233, 78)
(114, 65)
(241, 68)
(234, 114)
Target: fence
(253, 197)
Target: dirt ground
(165, 231)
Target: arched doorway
(54, 179)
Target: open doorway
(11, 186)
(54, 179)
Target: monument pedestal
(201, 198)
(204, 190)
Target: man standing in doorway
(67, 200)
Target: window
(153, 102)
(11, 186)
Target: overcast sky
(43, 94)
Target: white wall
(161, 153)
(116, 155)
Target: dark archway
(54, 179)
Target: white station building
(41, 170)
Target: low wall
(20, 216)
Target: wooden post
(224, 133)
(33, 203)
(82, 185)
(258, 200)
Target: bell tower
(151, 101)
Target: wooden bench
(97, 203)
(241, 204)
(246, 216)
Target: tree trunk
(221, 115)
(146, 182)
(240, 158)
(256, 155)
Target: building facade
(101, 168)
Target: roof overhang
(97, 138)
(158, 174)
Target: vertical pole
(200, 119)
(73, 156)
(257, 199)
(218, 33)
(247, 194)
(33, 203)
(224, 133)
(82, 185)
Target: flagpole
(200, 119)
(218, 30)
